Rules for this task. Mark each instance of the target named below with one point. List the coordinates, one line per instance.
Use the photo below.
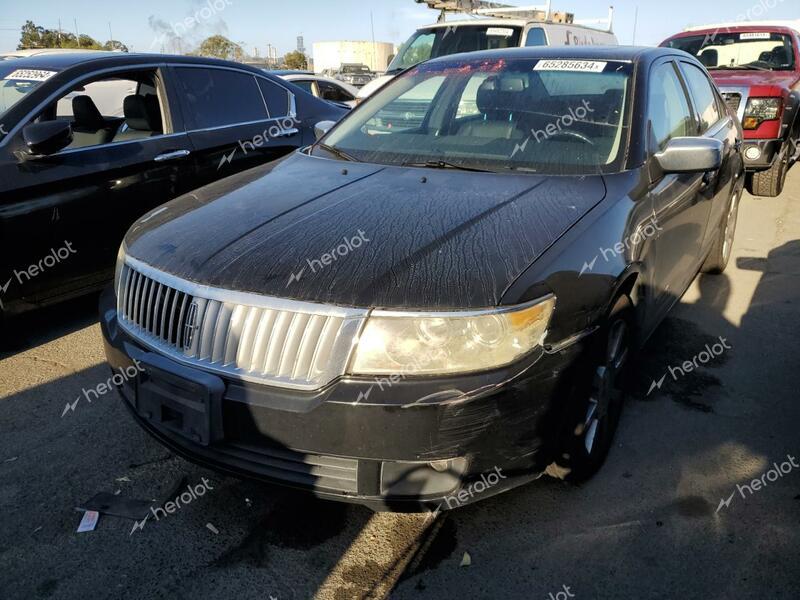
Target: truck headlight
(759, 110)
(121, 253)
(398, 342)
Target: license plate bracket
(180, 399)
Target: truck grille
(250, 337)
(733, 100)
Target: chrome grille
(733, 100)
(251, 337)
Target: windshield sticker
(500, 31)
(755, 36)
(582, 66)
(30, 75)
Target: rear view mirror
(691, 155)
(47, 137)
(323, 127)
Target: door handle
(287, 132)
(172, 155)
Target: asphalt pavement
(674, 513)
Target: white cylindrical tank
(331, 55)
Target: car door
(237, 119)
(89, 193)
(680, 203)
(714, 122)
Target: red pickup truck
(757, 69)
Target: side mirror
(47, 137)
(323, 127)
(691, 155)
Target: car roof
(619, 53)
(775, 26)
(59, 62)
(510, 23)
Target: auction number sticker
(30, 75)
(581, 66)
(755, 35)
(500, 31)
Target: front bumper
(768, 151)
(367, 440)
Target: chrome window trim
(55, 95)
(115, 144)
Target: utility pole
(110, 35)
(374, 50)
(635, 24)
(77, 35)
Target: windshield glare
(443, 41)
(752, 49)
(523, 114)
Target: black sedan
(424, 313)
(90, 142)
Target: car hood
(783, 79)
(366, 235)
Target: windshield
(443, 41)
(757, 50)
(355, 69)
(543, 116)
(15, 83)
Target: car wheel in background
(769, 183)
(721, 250)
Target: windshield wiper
(337, 152)
(441, 164)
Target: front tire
(592, 427)
(720, 253)
(769, 183)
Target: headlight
(120, 263)
(456, 342)
(759, 110)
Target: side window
(536, 37)
(333, 92)
(304, 84)
(667, 105)
(110, 110)
(276, 97)
(218, 97)
(703, 95)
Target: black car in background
(447, 306)
(90, 142)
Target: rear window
(218, 97)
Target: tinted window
(218, 97)
(304, 84)
(276, 97)
(668, 108)
(536, 37)
(703, 95)
(333, 92)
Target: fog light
(422, 478)
(752, 153)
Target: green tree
(115, 45)
(218, 46)
(35, 36)
(296, 60)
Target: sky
(255, 24)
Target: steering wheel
(573, 134)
